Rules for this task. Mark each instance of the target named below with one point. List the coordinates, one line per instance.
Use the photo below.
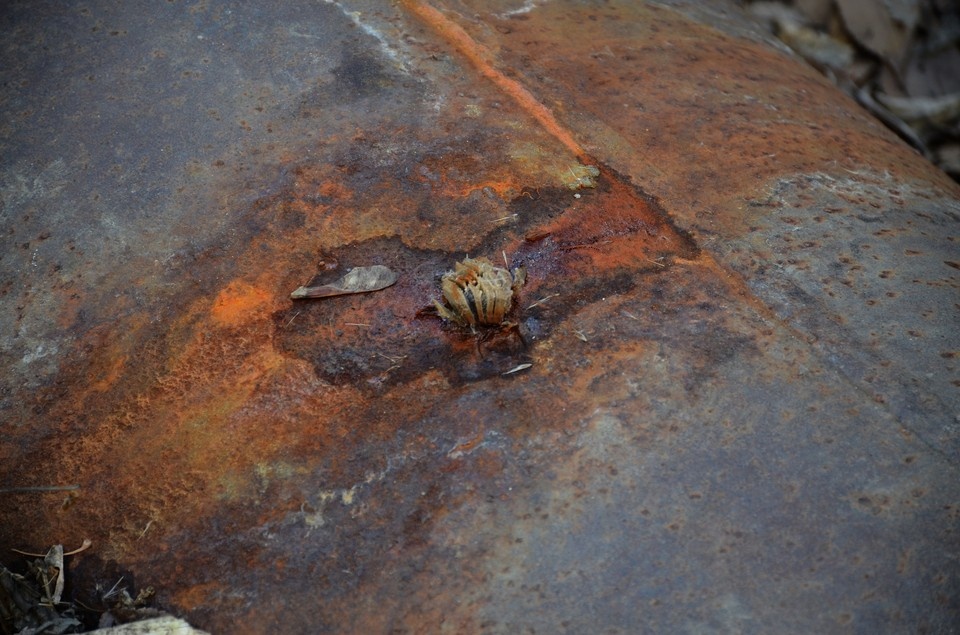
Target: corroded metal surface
(740, 317)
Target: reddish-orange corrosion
(342, 464)
(112, 374)
(236, 302)
(501, 188)
(481, 58)
(620, 227)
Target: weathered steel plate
(740, 318)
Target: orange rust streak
(482, 59)
(498, 187)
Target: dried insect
(478, 294)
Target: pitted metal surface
(740, 318)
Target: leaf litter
(897, 58)
(31, 603)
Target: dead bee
(479, 295)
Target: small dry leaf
(882, 26)
(357, 280)
(517, 369)
(820, 49)
(53, 562)
(935, 110)
(162, 625)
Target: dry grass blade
(542, 300)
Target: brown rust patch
(484, 62)
(579, 246)
(240, 376)
(111, 374)
(345, 465)
(619, 226)
(684, 106)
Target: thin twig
(86, 545)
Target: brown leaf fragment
(53, 562)
(934, 110)
(948, 158)
(820, 49)
(865, 99)
(881, 26)
(25, 605)
(815, 11)
(357, 280)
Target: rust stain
(483, 61)
(710, 145)
(112, 374)
(326, 449)
(239, 302)
(628, 216)
(196, 596)
(502, 188)
(622, 227)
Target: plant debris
(897, 58)
(32, 603)
(29, 603)
(582, 176)
(357, 280)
